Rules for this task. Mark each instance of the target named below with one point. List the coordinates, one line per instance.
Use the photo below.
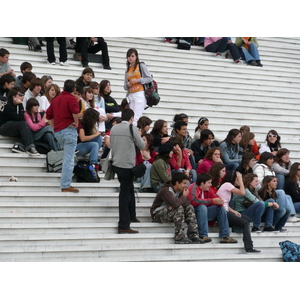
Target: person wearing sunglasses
(13, 124)
(272, 143)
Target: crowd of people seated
(243, 51)
(233, 181)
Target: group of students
(234, 178)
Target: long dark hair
(89, 120)
(231, 135)
(246, 138)
(103, 85)
(150, 140)
(247, 156)
(157, 127)
(137, 62)
(279, 155)
(264, 157)
(29, 104)
(214, 171)
(85, 71)
(277, 143)
(293, 173)
(264, 191)
(204, 135)
(200, 122)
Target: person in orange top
(134, 83)
(248, 50)
(255, 147)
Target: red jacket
(185, 162)
(198, 197)
(61, 110)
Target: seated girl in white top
(263, 167)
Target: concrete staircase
(39, 223)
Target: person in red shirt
(208, 207)
(63, 115)
(180, 161)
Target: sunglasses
(20, 94)
(272, 135)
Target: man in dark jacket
(172, 205)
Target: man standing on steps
(122, 145)
(63, 115)
(171, 204)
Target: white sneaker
(64, 63)
(292, 219)
(221, 54)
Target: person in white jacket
(263, 166)
(272, 143)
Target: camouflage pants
(179, 216)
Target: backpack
(54, 160)
(290, 251)
(86, 172)
(151, 92)
(183, 44)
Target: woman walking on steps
(136, 76)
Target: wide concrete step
(138, 252)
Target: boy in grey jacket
(122, 145)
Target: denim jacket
(230, 154)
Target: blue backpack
(290, 251)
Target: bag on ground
(86, 172)
(54, 160)
(290, 251)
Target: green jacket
(239, 42)
(160, 172)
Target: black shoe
(146, 190)
(256, 229)
(85, 65)
(196, 240)
(32, 151)
(184, 240)
(18, 149)
(252, 250)
(258, 63)
(106, 67)
(130, 231)
(270, 229)
(252, 63)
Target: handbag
(151, 92)
(140, 169)
(108, 168)
(247, 203)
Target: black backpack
(86, 172)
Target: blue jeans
(251, 53)
(92, 147)
(255, 212)
(205, 214)
(286, 201)
(67, 138)
(280, 181)
(46, 134)
(231, 166)
(297, 206)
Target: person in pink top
(180, 161)
(38, 125)
(220, 46)
(212, 156)
(232, 184)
